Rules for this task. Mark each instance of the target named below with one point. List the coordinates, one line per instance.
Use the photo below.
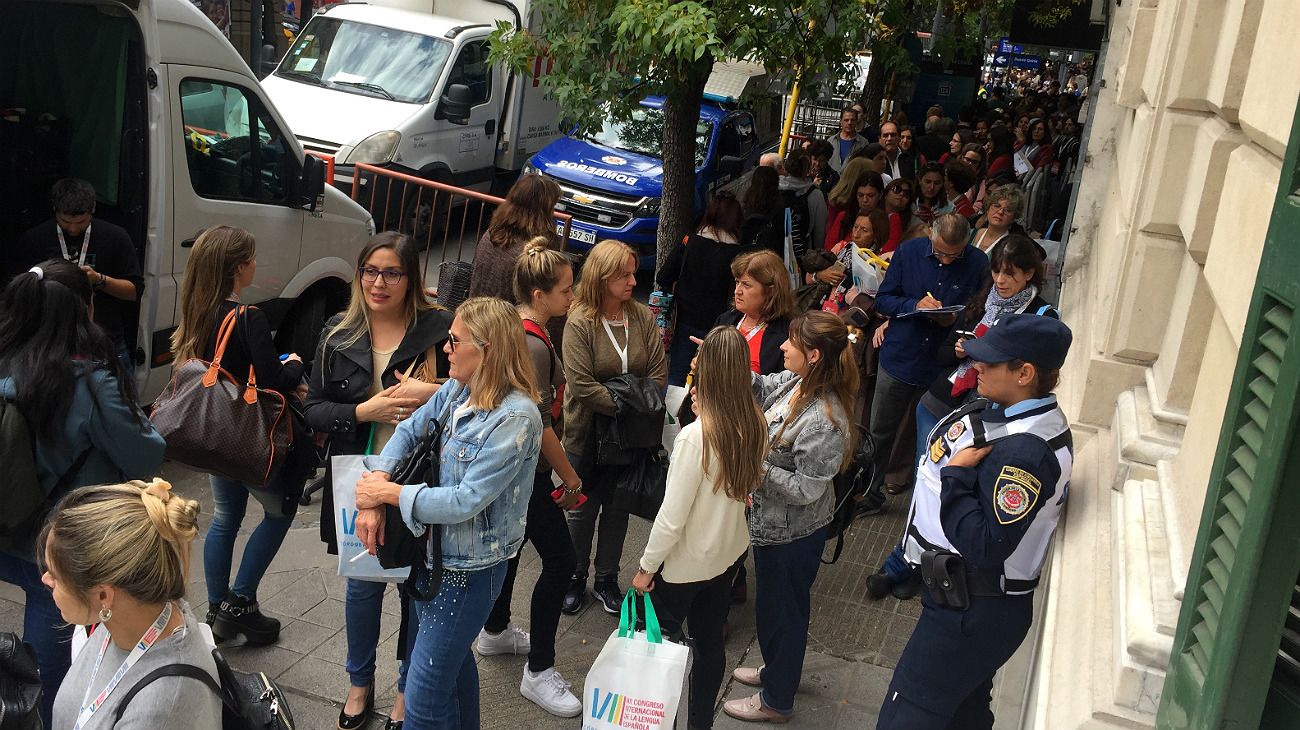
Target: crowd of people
(530, 399)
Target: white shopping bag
(636, 681)
(346, 472)
(868, 274)
(673, 400)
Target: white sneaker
(550, 692)
(513, 640)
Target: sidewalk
(853, 643)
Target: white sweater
(699, 533)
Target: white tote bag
(353, 561)
(636, 681)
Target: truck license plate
(577, 234)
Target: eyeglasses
(947, 257)
(453, 342)
(370, 273)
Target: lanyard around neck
(753, 332)
(63, 245)
(622, 351)
(143, 645)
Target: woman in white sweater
(700, 531)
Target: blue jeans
(362, 613)
(43, 627)
(230, 500)
(783, 577)
(681, 351)
(442, 686)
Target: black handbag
(248, 700)
(639, 489)
(401, 548)
(20, 685)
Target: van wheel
(303, 331)
(424, 214)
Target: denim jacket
(486, 475)
(797, 496)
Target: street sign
(1018, 60)
(1006, 46)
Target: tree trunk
(681, 113)
(873, 90)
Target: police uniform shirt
(1000, 514)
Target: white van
(147, 101)
(406, 85)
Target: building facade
(1189, 140)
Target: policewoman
(989, 492)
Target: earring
(105, 615)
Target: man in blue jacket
(925, 273)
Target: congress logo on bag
(636, 681)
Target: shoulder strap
(175, 670)
(536, 330)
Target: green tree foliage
(608, 54)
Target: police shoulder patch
(1014, 494)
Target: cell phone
(559, 492)
(966, 333)
(284, 357)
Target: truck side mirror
(313, 181)
(730, 164)
(454, 104)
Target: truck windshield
(366, 59)
(644, 134)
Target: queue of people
(509, 429)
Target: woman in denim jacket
(489, 449)
(62, 371)
(807, 410)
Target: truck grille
(319, 145)
(609, 210)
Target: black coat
(770, 358)
(341, 380)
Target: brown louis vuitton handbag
(214, 423)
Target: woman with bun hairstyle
(544, 288)
(222, 264)
(117, 556)
(810, 437)
(62, 373)
(379, 360)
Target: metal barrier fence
(431, 212)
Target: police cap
(1043, 341)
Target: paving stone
(303, 637)
(273, 660)
(328, 612)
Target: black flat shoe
(352, 722)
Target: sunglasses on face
(369, 274)
(453, 342)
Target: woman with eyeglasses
(221, 265)
(698, 273)
(487, 457)
(898, 206)
(379, 360)
(1002, 207)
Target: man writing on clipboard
(924, 274)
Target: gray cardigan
(797, 496)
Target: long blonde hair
(209, 279)
(605, 261)
(844, 191)
(356, 318)
(833, 376)
(733, 426)
(135, 537)
(494, 329)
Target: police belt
(980, 583)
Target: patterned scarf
(995, 307)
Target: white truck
(147, 101)
(406, 85)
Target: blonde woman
(378, 362)
(488, 454)
(607, 335)
(221, 265)
(700, 533)
(118, 556)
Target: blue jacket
(122, 442)
(488, 461)
(911, 347)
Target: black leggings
(549, 533)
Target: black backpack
(800, 219)
(26, 502)
(850, 486)
(20, 685)
(248, 701)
